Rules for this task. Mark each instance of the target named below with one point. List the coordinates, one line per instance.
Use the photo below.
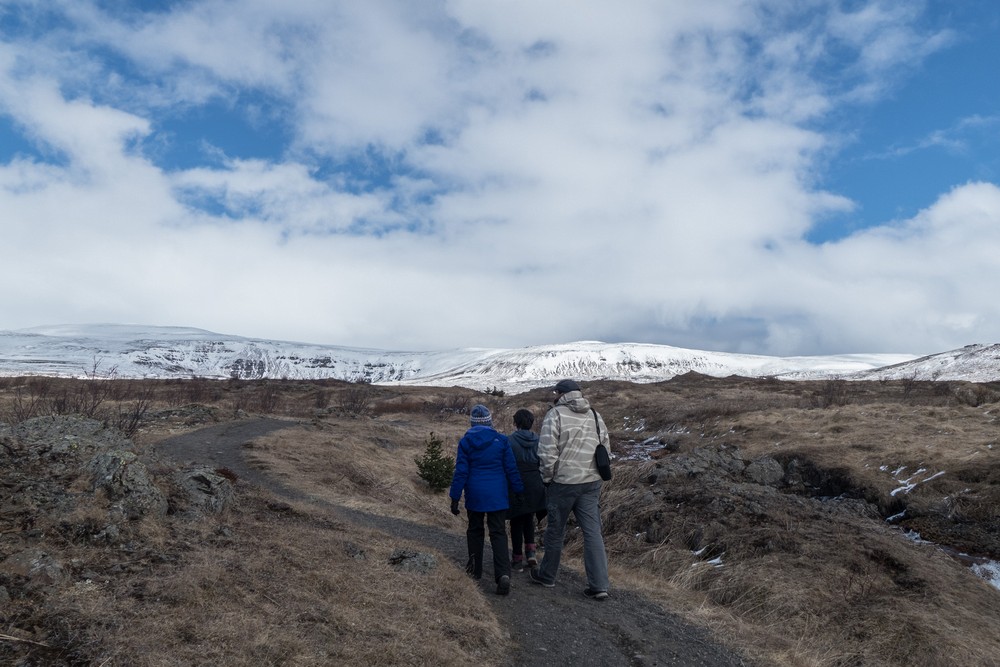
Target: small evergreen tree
(433, 467)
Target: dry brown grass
(803, 581)
(266, 583)
(365, 465)
(294, 591)
(270, 584)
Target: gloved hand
(454, 506)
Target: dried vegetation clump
(773, 513)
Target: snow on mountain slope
(524, 368)
(161, 352)
(973, 363)
(164, 352)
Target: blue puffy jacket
(483, 468)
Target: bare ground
(557, 626)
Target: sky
(781, 177)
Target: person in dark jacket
(484, 468)
(524, 444)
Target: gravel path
(553, 626)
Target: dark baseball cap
(566, 386)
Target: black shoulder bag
(601, 457)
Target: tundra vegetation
(780, 516)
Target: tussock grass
(807, 581)
(801, 579)
(260, 586)
(367, 465)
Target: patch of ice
(990, 571)
(637, 427)
(715, 562)
(896, 517)
(911, 482)
(915, 537)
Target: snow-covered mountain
(973, 363)
(171, 352)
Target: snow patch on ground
(911, 481)
(990, 571)
(984, 569)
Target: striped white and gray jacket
(568, 439)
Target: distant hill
(973, 363)
(176, 352)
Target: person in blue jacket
(484, 467)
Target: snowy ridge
(973, 363)
(177, 352)
(170, 352)
(529, 367)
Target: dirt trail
(553, 626)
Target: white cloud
(958, 138)
(562, 171)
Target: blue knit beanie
(481, 415)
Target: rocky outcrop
(726, 463)
(57, 464)
(36, 566)
(127, 483)
(723, 461)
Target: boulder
(205, 489)
(412, 561)
(765, 471)
(36, 566)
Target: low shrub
(435, 468)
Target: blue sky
(766, 176)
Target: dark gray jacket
(524, 444)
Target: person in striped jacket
(570, 433)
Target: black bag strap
(598, 425)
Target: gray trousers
(583, 501)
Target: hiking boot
(503, 585)
(517, 563)
(595, 595)
(470, 569)
(537, 579)
(530, 553)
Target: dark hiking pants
(498, 543)
(522, 531)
